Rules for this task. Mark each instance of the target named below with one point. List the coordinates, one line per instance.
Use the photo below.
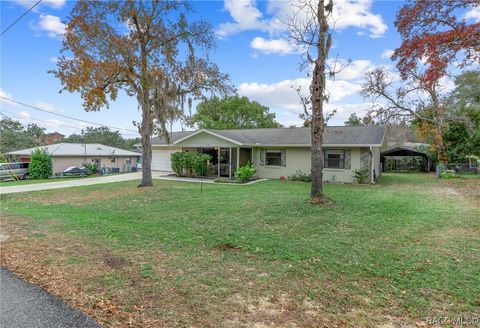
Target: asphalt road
(28, 306)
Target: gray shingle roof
(334, 135)
(73, 149)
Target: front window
(273, 158)
(334, 159)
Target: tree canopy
(15, 136)
(148, 49)
(102, 135)
(432, 31)
(233, 113)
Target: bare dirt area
(469, 188)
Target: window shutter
(348, 159)
(284, 158)
(262, 157)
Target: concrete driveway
(28, 306)
(70, 183)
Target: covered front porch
(225, 160)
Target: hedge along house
(65, 155)
(280, 151)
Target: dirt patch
(227, 247)
(115, 261)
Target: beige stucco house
(279, 152)
(65, 155)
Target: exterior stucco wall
(60, 163)
(205, 140)
(299, 159)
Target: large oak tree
(233, 113)
(150, 50)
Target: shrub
(245, 173)
(184, 164)
(361, 175)
(200, 163)
(40, 164)
(300, 176)
(177, 163)
(91, 168)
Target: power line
(35, 119)
(42, 121)
(66, 116)
(19, 18)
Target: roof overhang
(208, 132)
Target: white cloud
(25, 114)
(54, 123)
(345, 110)
(56, 4)
(282, 96)
(387, 54)
(5, 94)
(473, 14)
(45, 106)
(53, 59)
(246, 16)
(354, 70)
(273, 46)
(346, 13)
(52, 25)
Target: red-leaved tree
(437, 33)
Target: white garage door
(161, 159)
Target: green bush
(300, 176)
(361, 175)
(200, 163)
(40, 164)
(91, 168)
(185, 164)
(245, 173)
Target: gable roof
(77, 149)
(371, 135)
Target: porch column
(230, 162)
(238, 157)
(218, 162)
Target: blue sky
(251, 47)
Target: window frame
(275, 151)
(341, 160)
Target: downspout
(372, 167)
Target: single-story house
(65, 155)
(279, 152)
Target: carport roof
(372, 135)
(77, 149)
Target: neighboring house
(65, 155)
(279, 152)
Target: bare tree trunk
(146, 134)
(317, 90)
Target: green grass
(6, 183)
(402, 248)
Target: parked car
(75, 170)
(20, 169)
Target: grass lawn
(31, 181)
(256, 256)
